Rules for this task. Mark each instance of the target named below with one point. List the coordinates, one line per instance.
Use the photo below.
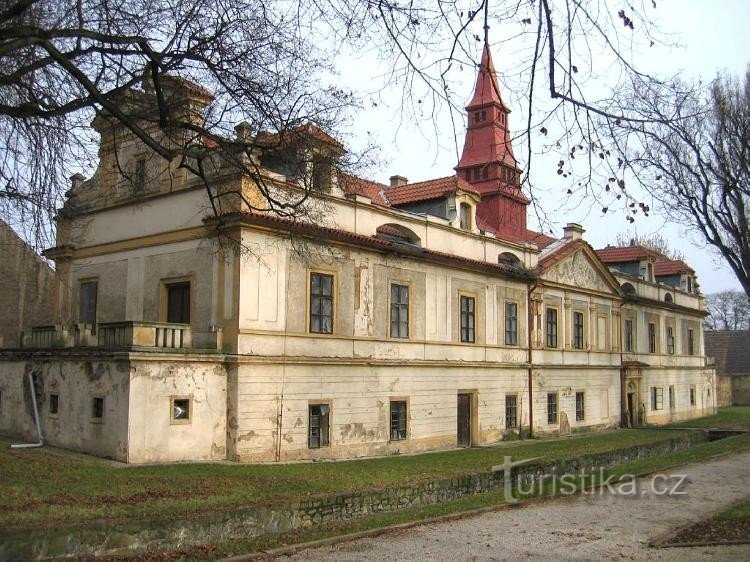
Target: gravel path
(601, 526)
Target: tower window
(477, 117)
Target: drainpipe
(40, 443)
(530, 361)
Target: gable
(579, 270)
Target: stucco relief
(577, 271)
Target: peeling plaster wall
(76, 381)
(154, 436)
(704, 382)
(359, 396)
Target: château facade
(408, 317)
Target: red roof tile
(671, 267)
(531, 236)
(354, 185)
(426, 190)
(295, 134)
(622, 254)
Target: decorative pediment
(581, 270)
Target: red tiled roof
(622, 254)
(426, 190)
(288, 136)
(354, 185)
(671, 267)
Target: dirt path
(601, 526)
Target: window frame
(324, 422)
(180, 421)
(81, 320)
(652, 337)
(551, 323)
(174, 282)
(95, 400)
(629, 335)
(657, 398)
(54, 400)
(511, 323)
(464, 215)
(553, 415)
(692, 395)
(511, 408)
(401, 308)
(670, 340)
(690, 341)
(402, 412)
(333, 296)
(672, 402)
(581, 407)
(468, 333)
(578, 330)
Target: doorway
(463, 417)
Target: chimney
(397, 181)
(573, 231)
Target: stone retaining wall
(129, 538)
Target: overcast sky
(715, 38)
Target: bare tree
(696, 163)
(729, 310)
(63, 62)
(653, 241)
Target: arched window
(627, 288)
(396, 233)
(509, 258)
(464, 216)
(668, 297)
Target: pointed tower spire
(487, 161)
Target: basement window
(54, 404)
(97, 408)
(398, 420)
(318, 428)
(181, 410)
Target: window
(511, 411)
(484, 115)
(668, 298)
(578, 330)
(485, 172)
(54, 403)
(318, 431)
(465, 216)
(321, 303)
(399, 311)
(467, 319)
(628, 335)
(691, 348)
(689, 284)
(657, 398)
(178, 302)
(580, 406)
(670, 340)
(692, 396)
(139, 177)
(511, 323)
(97, 408)
(477, 117)
(671, 397)
(180, 408)
(87, 303)
(552, 408)
(651, 337)
(551, 327)
(398, 420)
(321, 174)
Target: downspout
(530, 358)
(40, 443)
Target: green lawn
(43, 487)
(734, 417)
(740, 511)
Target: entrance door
(463, 429)
(631, 409)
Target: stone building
(731, 352)
(407, 317)
(26, 287)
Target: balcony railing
(112, 335)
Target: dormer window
(465, 216)
(689, 284)
(321, 174)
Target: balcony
(115, 335)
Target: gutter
(530, 359)
(39, 443)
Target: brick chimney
(397, 181)
(573, 231)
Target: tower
(488, 162)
